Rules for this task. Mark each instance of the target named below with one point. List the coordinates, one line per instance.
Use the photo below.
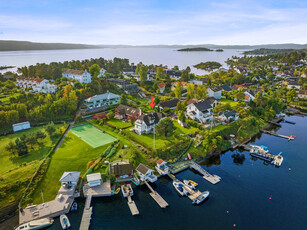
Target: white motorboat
(64, 222)
(127, 190)
(189, 184)
(36, 224)
(180, 188)
(201, 198)
(74, 207)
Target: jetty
(128, 192)
(290, 137)
(207, 176)
(87, 214)
(134, 210)
(160, 201)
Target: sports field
(91, 135)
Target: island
(209, 65)
(264, 51)
(6, 67)
(219, 50)
(195, 49)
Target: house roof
(302, 92)
(104, 96)
(147, 118)
(226, 87)
(126, 110)
(169, 104)
(191, 102)
(231, 113)
(74, 71)
(204, 80)
(160, 161)
(93, 177)
(202, 105)
(121, 168)
(70, 177)
(211, 100)
(142, 168)
(216, 88)
(161, 85)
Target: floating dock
(134, 210)
(87, 214)
(279, 135)
(207, 176)
(160, 201)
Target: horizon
(147, 23)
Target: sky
(151, 22)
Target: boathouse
(122, 170)
(70, 179)
(146, 174)
(94, 179)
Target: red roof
(161, 85)
(160, 161)
(191, 102)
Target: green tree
(291, 94)
(31, 140)
(11, 147)
(110, 115)
(40, 135)
(178, 90)
(21, 147)
(94, 70)
(123, 99)
(185, 76)
(50, 128)
(165, 127)
(201, 92)
(190, 90)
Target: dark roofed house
(124, 112)
(169, 104)
(145, 173)
(200, 111)
(229, 116)
(122, 169)
(226, 88)
(145, 124)
(215, 91)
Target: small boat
(74, 207)
(193, 183)
(64, 222)
(117, 190)
(180, 188)
(189, 184)
(36, 224)
(201, 197)
(278, 160)
(259, 149)
(127, 190)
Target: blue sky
(150, 22)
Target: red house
(124, 112)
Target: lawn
(73, 155)
(119, 124)
(231, 102)
(6, 98)
(218, 128)
(92, 136)
(180, 129)
(9, 161)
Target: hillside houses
(161, 87)
(171, 104)
(145, 123)
(126, 86)
(174, 74)
(36, 84)
(102, 100)
(201, 111)
(124, 112)
(229, 116)
(302, 94)
(79, 75)
(201, 81)
(215, 91)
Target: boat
(117, 190)
(259, 149)
(278, 160)
(193, 183)
(201, 197)
(127, 190)
(74, 207)
(36, 224)
(180, 188)
(189, 184)
(64, 222)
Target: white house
(21, 126)
(201, 111)
(70, 178)
(229, 116)
(145, 173)
(79, 75)
(102, 72)
(302, 94)
(36, 84)
(93, 179)
(294, 85)
(161, 87)
(145, 123)
(162, 167)
(102, 100)
(215, 91)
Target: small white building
(145, 173)
(93, 179)
(21, 126)
(294, 85)
(79, 75)
(229, 116)
(102, 72)
(70, 178)
(162, 167)
(102, 100)
(36, 84)
(215, 91)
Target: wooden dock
(87, 214)
(207, 176)
(160, 201)
(278, 135)
(134, 210)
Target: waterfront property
(145, 123)
(229, 116)
(162, 167)
(201, 111)
(102, 100)
(36, 84)
(145, 173)
(79, 75)
(21, 126)
(95, 187)
(122, 170)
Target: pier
(134, 210)
(278, 135)
(87, 213)
(207, 176)
(160, 201)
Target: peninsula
(195, 49)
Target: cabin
(21, 126)
(145, 173)
(122, 170)
(229, 116)
(94, 179)
(162, 167)
(70, 179)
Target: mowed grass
(8, 161)
(119, 124)
(92, 136)
(219, 128)
(180, 129)
(231, 102)
(73, 155)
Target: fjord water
(157, 56)
(241, 198)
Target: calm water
(157, 56)
(241, 198)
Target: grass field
(180, 129)
(119, 124)
(231, 102)
(92, 136)
(73, 155)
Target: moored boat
(189, 184)
(117, 190)
(201, 197)
(36, 224)
(127, 190)
(64, 222)
(180, 188)
(74, 207)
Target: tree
(21, 147)
(178, 90)
(143, 73)
(185, 76)
(123, 99)
(11, 147)
(31, 140)
(201, 92)
(176, 67)
(40, 135)
(181, 116)
(94, 70)
(190, 90)
(50, 128)
(239, 95)
(110, 115)
(291, 94)
(165, 127)
(160, 73)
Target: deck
(134, 210)
(86, 219)
(97, 191)
(207, 176)
(160, 201)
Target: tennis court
(92, 135)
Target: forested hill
(6, 45)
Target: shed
(21, 126)
(94, 179)
(70, 178)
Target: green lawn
(219, 128)
(6, 98)
(231, 102)
(92, 136)
(9, 161)
(119, 124)
(73, 155)
(180, 129)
